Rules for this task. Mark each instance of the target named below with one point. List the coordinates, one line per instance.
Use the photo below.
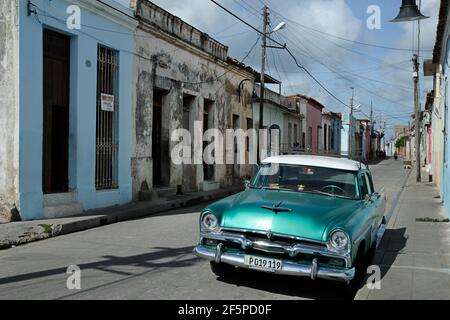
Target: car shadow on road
(391, 246)
(157, 258)
(394, 240)
(288, 285)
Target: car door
(376, 204)
(370, 215)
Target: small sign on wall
(107, 102)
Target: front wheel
(221, 269)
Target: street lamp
(409, 11)
(280, 26)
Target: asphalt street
(152, 258)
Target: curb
(118, 215)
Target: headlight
(339, 240)
(210, 222)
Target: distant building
(331, 124)
(281, 115)
(314, 131)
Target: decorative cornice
(122, 15)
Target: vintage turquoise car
(301, 215)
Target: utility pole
(263, 66)
(409, 140)
(417, 114)
(350, 130)
(404, 138)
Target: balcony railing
(272, 96)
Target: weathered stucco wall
(182, 72)
(175, 71)
(9, 109)
(294, 120)
(242, 108)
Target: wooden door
(157, 139)
(56, 63)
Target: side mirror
(247, 184)
(367, 199)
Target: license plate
(264, 264)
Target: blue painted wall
(82, 105)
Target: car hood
(310, 215)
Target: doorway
(208, 123)
(189, 170)
(55, 149)
(157, 139)
(236, 166)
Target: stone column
(141, 163)
(173, 108)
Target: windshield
(325, 181)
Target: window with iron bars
(107, 128)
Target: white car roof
(317, 161)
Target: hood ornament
(269, 234)
(276, 208)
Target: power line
(312, 56)
(227, 28)
(233, 35)
(344, 39)
(362, 54)
(286, 48)
(252, 11)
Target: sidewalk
(414, 256)
(18, 233)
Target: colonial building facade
(183, 79)
(439, 67)
(65, 125)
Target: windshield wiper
(279, 188)
(326, 193)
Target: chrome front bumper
(272, 247)
(312, 271)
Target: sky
(322, 34)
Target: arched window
(274, 133)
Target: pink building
(314, 136)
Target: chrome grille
(276, 238)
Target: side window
(363, 185)
(369, 183)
